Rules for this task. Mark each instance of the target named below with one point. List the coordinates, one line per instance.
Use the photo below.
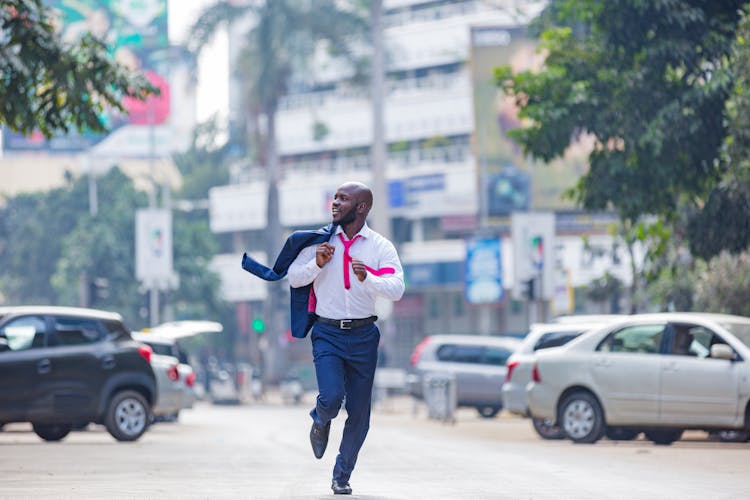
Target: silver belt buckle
(345, 324)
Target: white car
(519, 365)
(655, 373)
(175, 378)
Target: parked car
(658, 373)
(476, 361)
(174, 376)
(540, 336)
(62, 367)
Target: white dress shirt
(335, 301)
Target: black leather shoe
(319, 438)
(341, 488)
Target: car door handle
(44, 366)
(603, 362)
(108, 362)
(670, 367)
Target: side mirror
(722, 351)
(4, 344)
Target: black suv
(62, 367)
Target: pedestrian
(347, 273)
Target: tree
(282, 38)
(101, 247)
(649, 81)
(722, 223)
(724, 287)
(52, 86)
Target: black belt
(348, 324)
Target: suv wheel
(488, 411)
(51, 432)
(665, 436)
(546, 428)
(128, 416)
(582, 418)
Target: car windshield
(739, 330)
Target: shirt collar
(365, 232)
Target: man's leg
(329, 371)
(360, 372)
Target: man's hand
(359, 269)
(323, 254)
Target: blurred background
(253, 129)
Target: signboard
(153, 248)
(533, 236)
(484, 277)
(135, 31)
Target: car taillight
(145, 352)
(417, 353)
(511, 366)
(173, 373)
(535, 374)
(190, 380)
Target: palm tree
(279, 43)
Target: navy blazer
(302, 320)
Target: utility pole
(381, 220)
(153, 286)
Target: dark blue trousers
(345, 363)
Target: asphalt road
(262, 451)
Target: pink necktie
(312, 301)
(348, 261)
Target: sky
(213, 73)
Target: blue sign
(484, 271)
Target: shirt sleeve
(304, 269)
(390, 286)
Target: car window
(635, 339)
(496, 356)
(739, 330)
(692, 340)
(116, 329)
(161, 349)
(24, 333)
(460, 353)
(554, 339)
(75, 331)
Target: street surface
(262, 451)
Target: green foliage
(203, 165)
(51, 86)
(102, 247)
(49, 242)
(723, 222)
(648, 80)
(279, 46)
(724, 287)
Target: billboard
(135, 32)
(512, 180)
(484, 271)
(153, 248)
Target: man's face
(344, 206)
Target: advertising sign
(153, 248)
(135, 32)
(484, 271)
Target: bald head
(351, 204)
